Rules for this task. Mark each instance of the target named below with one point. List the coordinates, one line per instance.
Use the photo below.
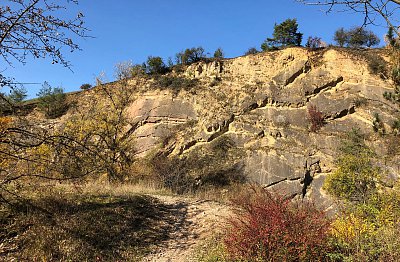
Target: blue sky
(132, 30)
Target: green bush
(176, 83)
(52, 101)
(86, 86)
(369, 231)
(355, 178)
(219, 53)
(251, 51)
(190, 55)
(356, 37)
(155, 65)
(367, 226)
(396, 126)
(377, 124)
(138, 70)
(396, 75)
(341, 37)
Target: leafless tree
(371, 9)
(38, 28)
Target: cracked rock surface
(261, 103)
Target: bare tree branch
(386, 9)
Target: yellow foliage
(5, 122)
(350, 227)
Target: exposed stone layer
(260, 102)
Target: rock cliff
(260, 102)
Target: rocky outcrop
(260, 102)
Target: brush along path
(194, 222)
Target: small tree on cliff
(155, 65)
(285, 34)
(219, 53)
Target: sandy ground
(194, 222)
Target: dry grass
(95, 222)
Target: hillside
(260, 102)
(153, 167)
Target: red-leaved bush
(315, 117)
(268, 227)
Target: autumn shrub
(356, 177)
(369, 231)
(315, 117)
(268, 227)
(368, 224)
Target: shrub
(369, 231)
(176, 83)
(86, 86)
(155, 65)
(360, 101)
(216, 81)
(378, 125)
(190, 55)
(396, 126)
(372, 39)
(356, 37)
(252, 51)
(377, 65)
(368, 226)
(98, 143)
(355, 178)
(268, 227)
(390, 38)
(396, 75)
(315, 117)
(52, 101)
(341, 37)
(138, 70)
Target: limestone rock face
(157, 115)
(261, 103)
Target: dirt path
(194, 222)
